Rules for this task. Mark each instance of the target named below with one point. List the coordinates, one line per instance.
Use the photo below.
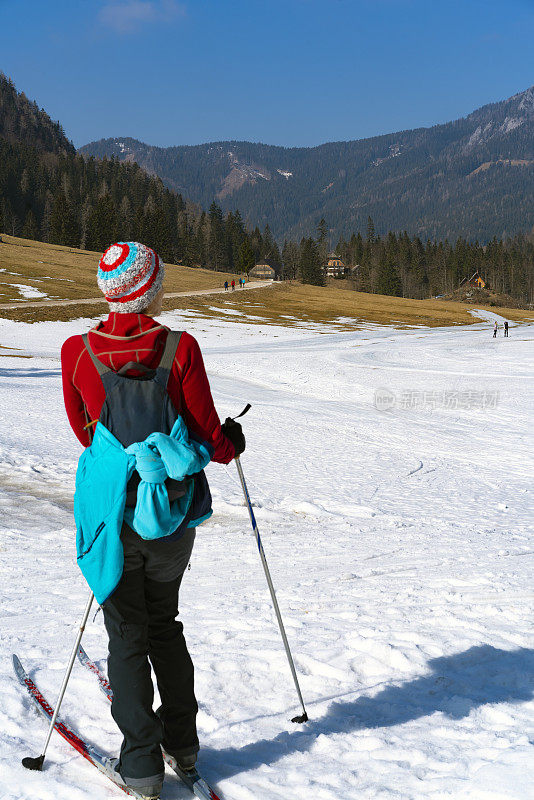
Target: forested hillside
(51, 193)
(398, 264)
(22, 122)
(473, 177)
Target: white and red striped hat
(130, 275)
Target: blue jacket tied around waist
(103, 473)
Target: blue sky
(287, 72)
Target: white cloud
(126, 16)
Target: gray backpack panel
(137, 406)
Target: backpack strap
(99, 366)
(167, 359)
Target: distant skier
(495, 329)
(233, 286)
(506, 327)
(140, 603)
(226, 286)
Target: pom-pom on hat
(130, 275)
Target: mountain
(23, 122)
(473, 177)
(50, 192)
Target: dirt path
(100, 300)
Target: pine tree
(30, 229)
(198, 250)
(291, 259)
(322, 240)
(103, 224)
(85, 217)
(371, 235)
(269, 248)
(246, 259)
(63, 222)
(388, 279)
(125, 220)
(46, 219)
(216, 238)
(311, 269)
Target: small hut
(262, 271)
(335, 267)
(476, 281)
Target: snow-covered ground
(399, 542)
(29, 292)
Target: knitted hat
(130, 275)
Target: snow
(287, 175)
(511, 123)
(231, 312)
(489, 316)
(527, 100)
(28, 292)
(394, 152)
(400, 545)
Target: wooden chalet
(335, 267)
(476, 281)
(263, 271)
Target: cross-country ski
(191, 777)
(89, 752)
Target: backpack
(138, 405)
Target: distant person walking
(242, 283)
(506, 328)
(495, 329)
(226, 286)
(233, 286)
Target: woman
(140, 614)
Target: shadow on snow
(34, 372)
(458, 684)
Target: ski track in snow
(400, 544)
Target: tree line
(49, 192)
(403, 265)
(64, 198)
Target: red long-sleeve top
(136, 337)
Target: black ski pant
(140, 618)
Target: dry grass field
(288, 303)
(66, 273)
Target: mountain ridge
(23, 122)
(424, 180)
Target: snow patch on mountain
(287, 175)
(510, 124)
(527, 100)
(122, 147)
(394, 151)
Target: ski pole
(37, 763)
(304, 716)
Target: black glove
(233, 431)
